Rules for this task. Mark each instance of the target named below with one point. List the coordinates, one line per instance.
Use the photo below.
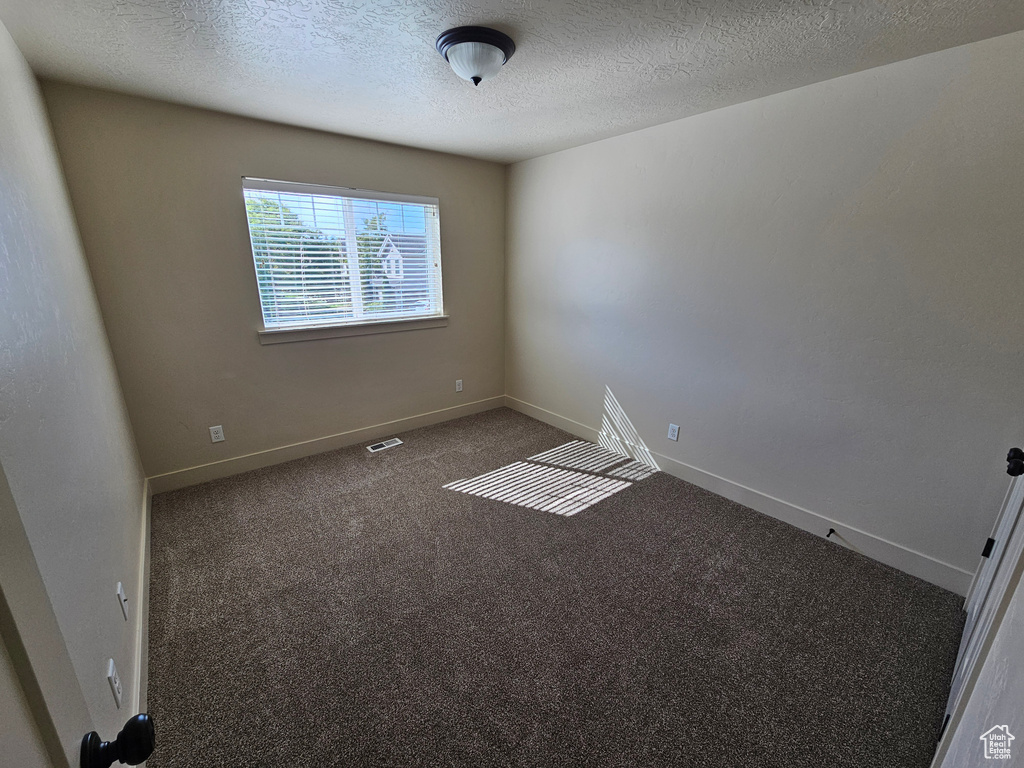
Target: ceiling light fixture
(475, 53)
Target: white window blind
(330, 256)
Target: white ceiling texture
(583, 69)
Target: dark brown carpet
(345, 609)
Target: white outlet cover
(217, 434)
(458, 385)
(115, 682)
(122, 598)
(673, 431)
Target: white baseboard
(140, 684)
(183, 478)
(877, 548)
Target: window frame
(274, 334)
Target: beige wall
(66, 446)
(157, 192)
(823, 288)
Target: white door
(43, 715)
(21, 743)
(989, 590)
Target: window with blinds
(330, 256)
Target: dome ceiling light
(475, 53)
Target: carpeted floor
(347, 610)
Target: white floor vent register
(386, 444)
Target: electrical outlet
(115, 682)
(458, 385)
(673, 431)
(217, 434)
(122, 598)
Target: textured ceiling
(583, 69)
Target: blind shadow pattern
(618, 434)
(547, 489)
(585, 473)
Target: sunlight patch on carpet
(579, 454)
(547, 489)
(635, 470)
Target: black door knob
(133, 745)
(1015, 462)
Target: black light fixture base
(487, 35)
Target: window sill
(286, 335)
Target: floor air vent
(386, 444)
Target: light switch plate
(115, 682)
